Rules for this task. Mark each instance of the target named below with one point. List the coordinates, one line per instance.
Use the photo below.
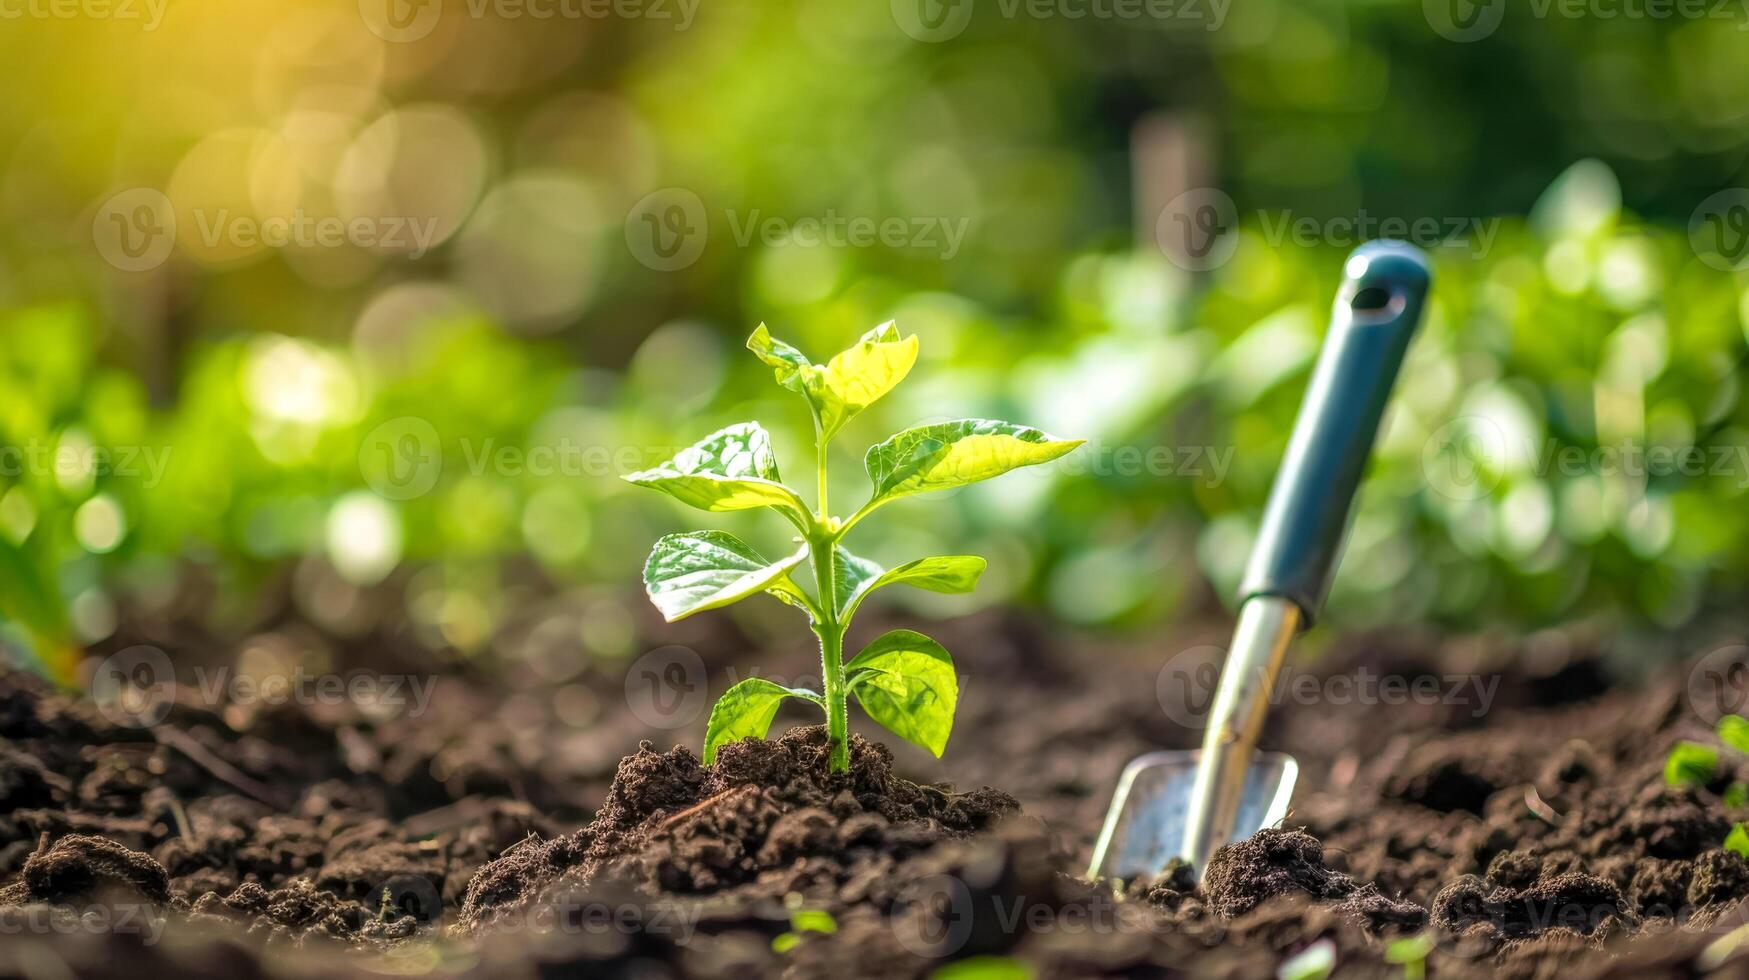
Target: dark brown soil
(1535, 839)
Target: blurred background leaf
(369, 305)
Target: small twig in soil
(219, 769)
(531, 838)
(708, 802)
(1534, 800)
(181, 817)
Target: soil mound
(766, 820)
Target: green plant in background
(801, 920)
(1410, 953)
(903, 679)
(1690, 764)
(1737, 841)
(1315, 962)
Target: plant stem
(831, 634)
(837, 723)
(820, 467)
(822, 548)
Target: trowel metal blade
(1145, 826)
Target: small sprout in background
(1315, 962)
(1734, 731)
(1738, 840)
(904, 680)
(1737, 794)
(802, 920)
(1411, 954)
(1690, 764)
(985, 968)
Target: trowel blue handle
(1384, 287)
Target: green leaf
(953, 454)
(1738, 840)
(731, 469)
(1315, 962)
(985, 968)
(813, 920)
(1736, 794)
(786, 589)
(698, 570)
(1411, 949)
(856, 577)
(850, 382)
(860, 375)
(1734, 731)
(1411, 954)
(783, 942)
(794, 371)
(1690, 764)
(906, 681)
(851, 576)
(746, 710)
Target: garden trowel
(1188, 804)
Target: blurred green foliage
(1580, 329)
(453, 424)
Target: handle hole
(1376, 303)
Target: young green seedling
(903, 679)
(1690, 764)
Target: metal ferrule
(1267, 625)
